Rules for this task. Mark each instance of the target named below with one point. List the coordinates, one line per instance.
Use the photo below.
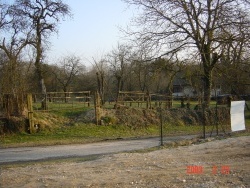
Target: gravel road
(217, 163)
(22, 154)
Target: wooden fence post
(30, 113)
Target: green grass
(86, 133)
(70, 113)
(247, 118)
(79, 133)
(58, 106)
(74, 132)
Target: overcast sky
(93, 30)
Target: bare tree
(101, 67)
(166, 69)
(15, 37)
(195, 26)
(141, 69)
(44, 17)
(235, 63)
(118, 60)
(3, 15)
(66, 70)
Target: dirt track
(220, 163)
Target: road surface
(22, 154)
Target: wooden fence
(60, 100)
(140, 98)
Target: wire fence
(138, 110)
(203, 121)
(177, 121)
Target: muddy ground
(218, 163)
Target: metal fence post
(161, 127)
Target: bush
(13, 125)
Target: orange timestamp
(196, 169)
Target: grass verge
(79, 133)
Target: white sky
(93, 30)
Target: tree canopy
(192, 27)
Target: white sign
(237, 115)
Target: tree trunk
(100, 85)
(39, 70)
(38, 65)
(207, 81)
(209, 60)
(208, 64)
(119, 83)
(65, 94)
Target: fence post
(161, 126)
(148, 100)
(30, 113)
(88, 98)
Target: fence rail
(140, 98)
(62, 100)
(72, 100)
(177, 113)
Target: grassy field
(74, 105)
(85, 133)
(75, 132)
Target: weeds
(64, 127)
